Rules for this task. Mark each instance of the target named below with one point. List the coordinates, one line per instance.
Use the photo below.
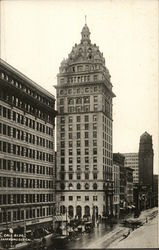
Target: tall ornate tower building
(84, 132)
(146, 160)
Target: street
(112, 236)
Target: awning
(133, 206)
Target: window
(78, 198)
(94, 118)
(70, 135)
(78, 143)
(70, 198)
(86, 99)
(78, 126)
(70, 144)
(86, 176)
(94, 134)
(78, 118)
(87, 186)
(95, 198)
(86, 167)
(78, 186)
(78, 151)
(78, 167)
(95, 159)
(95, 107)
(70, 160)
(86, 143)
(70, 127)
(70, 151)
(70, 168)
(86, 126)
(86, 118)
(95, 151)
(70, 186)
(62, 198)
(78, 176)
(78, 135)
(86, 151)
(94, 167)
(70, 119)
(86, 198)
(87, 159)
(95, 186)
(95, 98)
(94, 142)
(86, 135)
(70, 176)
(94, 126)
(61, 101)
(95, 176)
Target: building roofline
(25, 78)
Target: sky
(37, 34)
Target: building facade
(145, 171)
(146, 160)
(129, 187)
(132, 161)
(84, 132)
(118, 159)
(27, 162)
(116, 183)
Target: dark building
(84, 132)
(27, 156)
(146, 160)
(145, 187)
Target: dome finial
(85, 19)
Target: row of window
(78, 176)
(25, 167)
(78, 119)
(78, 151)
(27, 90)
(78, 135)
(24, 136)
(23, 151)
(78, 186)
(25, 198)
(78, 127)
(79, 160)
(27, 107)
(80, 68)
(23, 120)
(25, 183)
(18, 215)
(71, 167)
(79, 198)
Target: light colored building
(132, 161)
(27, 162)
(116, 196)
(84, 132)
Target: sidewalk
(111, 239)
(143, 237)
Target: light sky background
(36, 35)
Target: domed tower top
(85, 34)
(145, 137)
(145, 143)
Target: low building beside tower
(27, 155)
